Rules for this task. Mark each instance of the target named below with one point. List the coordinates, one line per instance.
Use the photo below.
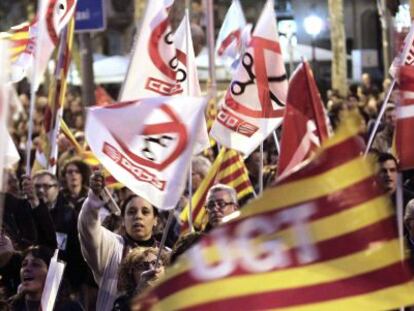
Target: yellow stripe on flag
(330, 271)
(379, 300)
(311, 188)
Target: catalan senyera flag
(56, 100)
(405, 118)
(228, 168)
(19, 38)
(322, 239)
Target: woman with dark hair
(103, 249)
(33, 272)
(75, 176)
(138, 271)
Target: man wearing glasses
(221, 201)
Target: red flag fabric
(305, 123)
(102, 97)
(405, 119)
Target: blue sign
(90, 16)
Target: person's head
(366, 79)
(46, 187)
(76, 174)
(140, 218)
(200, 167)
(389, 116)
(409, 218)
(137, 261)
(253, 163)
(33, 271)
(221, 201)
(388, 171)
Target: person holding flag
(105, 250)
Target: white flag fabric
(188, 69)
(52, 17)
(255, 101)
(147, 144)
(229, 39)
(52, 283)
(152, 69)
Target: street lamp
(313, 25)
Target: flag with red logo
(147, 144)
(324, 238)
(52, 17)
(188, 68)
(305, 124)
(229, 40)
(153, 66)
(255, 99)
(405, 118)
(157, 68)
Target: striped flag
(405, 119)
(229, 169)
(57, 93)
(19, 37)
(323, 239)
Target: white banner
(153, 64)
(254, 102)
(187, 69)
(147, 144)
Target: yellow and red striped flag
(322, 239)
(19, 37)
(229, 169)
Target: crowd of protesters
(111, 258)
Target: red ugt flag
(305, 123)
(405, 118)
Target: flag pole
(211, 50)
(261, 170)
(378, 120)
(164, 236)
(277, 144)
(189, 74)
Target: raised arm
(97, 243)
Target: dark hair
(83, 168)
(39, 251)
(129, 199)
(385, 156)
(184, 243)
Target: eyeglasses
(45, 186)
(146, 265)
(221, 204)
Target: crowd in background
(44, 211)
